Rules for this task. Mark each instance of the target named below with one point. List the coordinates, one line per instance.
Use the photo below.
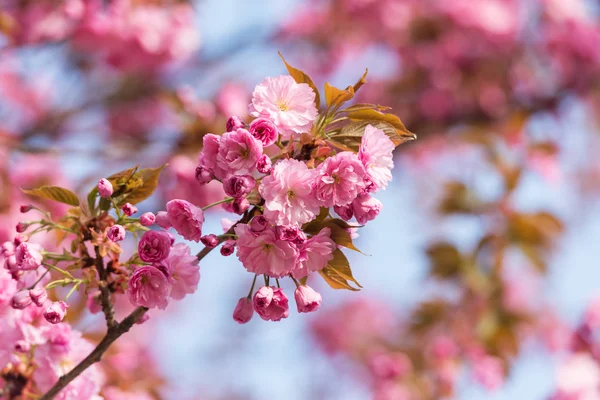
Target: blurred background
(480, 275)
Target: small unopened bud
(211, 241)
(20, 300)
(38, 296)
(56, 312)
(238, 185)
(116, 233)
(234, 123)
(263, 165)
(22, 227)
(258, 223)
(129, 209)
(147, 219)
(25, 208)
(240, 206)
(307, 300)
(228, 248)
(204, 174)
(105, 188)
(243, 311)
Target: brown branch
(112, 334)
(107, 306)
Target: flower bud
(366, 208)
(259, 223)
(270, 303)
(240, 205)
(243, 311)
(93, 302)
(116, 233)
(211, 241)
(307, 300)
(129, 209)
(21, 227)
(20, 300)
(22, 346)
(38, 296)
(20, 238)
(25, 208)
(345, 212)
(28, 256)
(56, 312)
(228, 248)
(204, 174)
(288, 232)
(147, 219)
(263, 165)
(105, 188)
(238, 186)
(234, 123)
(162, 220)
(264, 130)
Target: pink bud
(259, 223)
(56, 312)
(228, 248)
(105, 188)
(20, 300)
(238, 185)
(93, 302)
(22, 346)
(162, 220)
(243, 311)
(25, 208)
(345, 212)
(234, 123)
(240, 205)
(22, 227)
(20, 238)
(366, 208)
(270, 303)
(129, 209)
(38, 296)
(116, 233)
(307, 300)
(211, 241)
(263, 165)
(147, 219)
(204, 174)
(264, 129)
(29, 256)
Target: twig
(107, 307)
(112, 334)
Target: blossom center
(291, 195)
(283, 106)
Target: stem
(295, 281)
(112, 334)
(252, 288)
(225, 200)
(39, 280)
(107, 307)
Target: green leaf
(336, 97)
(365, 106)
(337, 273)
(301, 77)
(55, 193)
(149, 182)
(375, 117)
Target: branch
(112, 334)
(107, 306)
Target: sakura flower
(28, 256)
(288, 194)
(238, 152)
(56, 312)
(154, 246)
(186, 218)
(148, 287)
(271, 304)
(315, 254)
(340, 179)
(183, 269)
(375, 153)
(290, 105)
(243, 311)
(264, 130)
(116, 233)
(264, 252)
(307, 300)
(366, 208)
(209, 154)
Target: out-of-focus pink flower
(93, 302)
(307, 299)
(389, 365)
(56, 312)
(147, 219)
(264, 129)
(154, 246)
(129, 209)
(148, 287)
(105, 188)
(243, 311)
(290, 105)
(579, 376)
(288, 194)
(232, 99)
(238, 152)
(271, 304)
(113, 393)
(264, 252)
(186, 218)
(21, 300)
(184, 183)
(315, 253)
(234, 123)
(183, 269)
(488, 371)
(210, 153)
(375, 152)
(339, 179)
(38, 296)
(28, 256)
(116, 233)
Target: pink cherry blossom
(148, 287)
(339, 179)
(209, 154)
(238, 152)
(264, 253)
(28, 256)
(243, 311)
(290, 105)
(314, 254)
(186, 218)
(366, 208)
(183, 269)
(375, 152)
(154, 246)
(271, 304)
(307, 299)
(288, 194)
